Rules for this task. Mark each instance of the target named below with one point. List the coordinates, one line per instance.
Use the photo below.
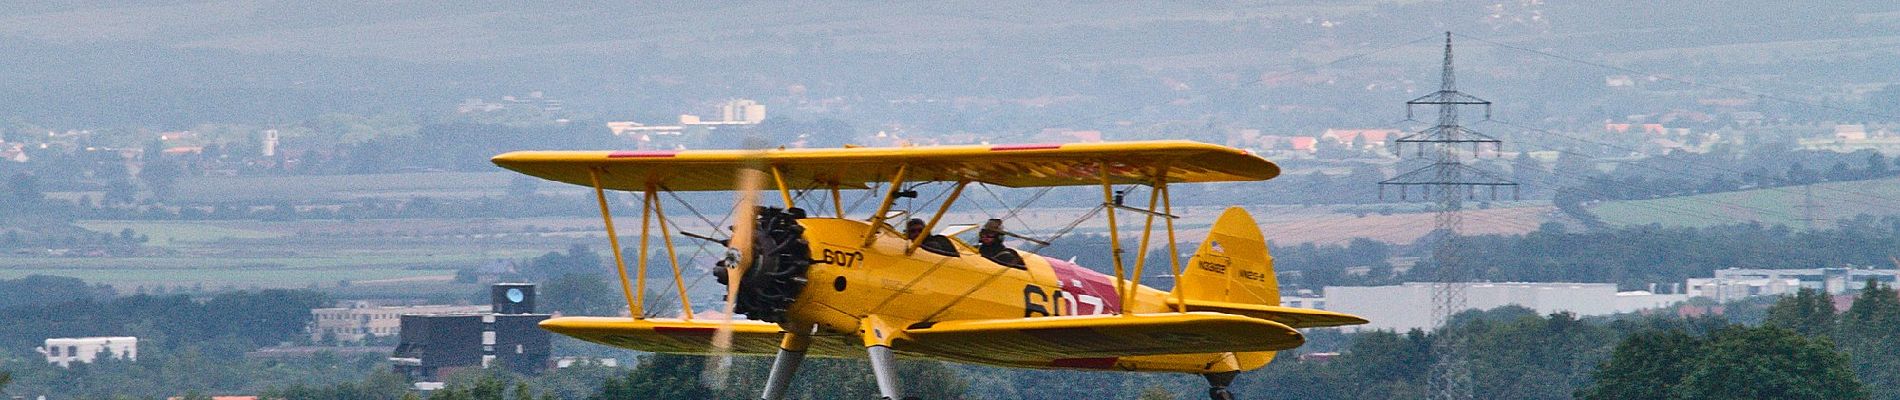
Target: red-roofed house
(184, 150)
(1618, 128)
(1371, 137)
(14, 152)
(1304, 143)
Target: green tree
(578, 260)
(1867, 332)
(1645, 365)
(659, 377)
(577, 294)
(1386, 364)
(474, 385)
(161, 176)
(1808, 311)
(1156, 393)
(1769, 363)
(25, 189)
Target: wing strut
(646, 235)
(932, 225)
(890, 196)
(1174, 255)
(1114, 239)
(783, 191)
(607, 217)
(686, 303)
(837, 200)
(1147, 230)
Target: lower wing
(676, 336)
(1096, 341)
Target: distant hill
(180, 63)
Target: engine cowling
(781, 257)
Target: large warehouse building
(1409, 305)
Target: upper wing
(1053, 341)
(1290, 316)
(667, 335)
(1006, 165)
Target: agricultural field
(1790, 205)
(423, 254)
(308, 253)
(216, 189)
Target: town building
(742, 111)
(1732, 284)
(361, 320)
(508, 336)
(732, 112)
(66, 351)
(1407, 306)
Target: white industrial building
(361, 320)
(66, 351)
(1409, 305)
(731, 113)
(1732, 284)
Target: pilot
(990, 244)
(913, 228)
(932, 243)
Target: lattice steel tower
(1448, 181)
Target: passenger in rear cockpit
(990, 244)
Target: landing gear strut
(791, 351)
(1217, 385)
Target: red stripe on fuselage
(1082, 289)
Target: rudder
(1232, 264)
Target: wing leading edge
(1030, 165)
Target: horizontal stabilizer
(1299, 318)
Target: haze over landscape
(202, 175)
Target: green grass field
(127, 279)
(174, 233)
(243, 254)
(1783, 205)
(341, 187)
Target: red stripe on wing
(1085, 363)
(675, 331)
(643, 154)
(1030, 146)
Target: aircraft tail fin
(1232, 264)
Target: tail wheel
(781, 258)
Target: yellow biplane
(836, 286)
